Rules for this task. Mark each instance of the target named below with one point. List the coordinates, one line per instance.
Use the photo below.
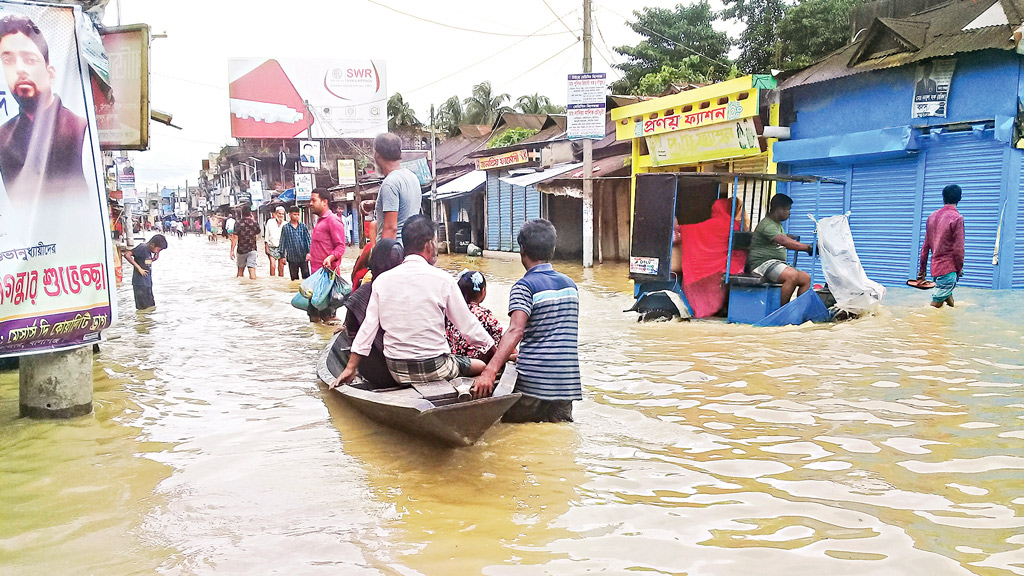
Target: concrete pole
(588, 156)
(56, 384)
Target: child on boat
(474, 289)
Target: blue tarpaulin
(806, 307)
(848, 148)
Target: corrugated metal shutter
(883, 196)
(505, 226)
(493, 211)
(831, 203)
(1018, 245)
(976, 164)
(753, 165)
(518, 213)
(532, 203)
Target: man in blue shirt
(544, 308)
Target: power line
(442, 24)
(543, 62)
(600, 34)
(560, 18)
(670, 41)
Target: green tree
(450, 116)
(484, 106)
(814, 28)
(533, 104)
(670, 37)
(400, 113)
(759, 45)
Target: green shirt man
(767, 256)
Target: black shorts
(530, 409)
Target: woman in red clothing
(474, 289)
(705, 247)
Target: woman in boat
(705, 247)
(474, 289)
(386, 254)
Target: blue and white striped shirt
(549, 364)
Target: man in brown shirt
(243, 242)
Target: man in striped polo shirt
(544, 308)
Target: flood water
(889, 445)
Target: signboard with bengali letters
(304, 185)
(734, 139)
(512, 158)
(585, 111)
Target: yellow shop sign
(734, 139)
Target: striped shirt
(549, 364)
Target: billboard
(309, 154)
(122, 114)
(296, 98)
(56, 277)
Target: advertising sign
(331, 98)
(420, 168)
(125, 177)
(931, 89)
(309, 154)
(256, 193)
(346, 172)
(715, 142)
(303, 187)
(502, 160)
(586, 106)
(122, 114)
(56, 275)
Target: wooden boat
(434, 410)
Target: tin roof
(954, 27)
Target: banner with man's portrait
(56, 276)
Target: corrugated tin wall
(975, 163)
(883, 199)
(493, 211)
(833, 201)
(506, 208)
(1018, 245)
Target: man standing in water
(767, 256)
(295, 241)
(141, 258)
(544, 306)
(399, 197)
(272, 238)
(326, 247)
(243, 241)
(944, 238)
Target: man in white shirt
(410, 303)
(272, 242)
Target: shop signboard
(256, 193)
(346, 172)
(512, 158)
(56, 272)
(122, 112)
(309, 154)
(931, 89)
(695, 118)
(585, 111)
(734, 139)
(304, 184)
(125, 177)
(420, 168)
(295, 98)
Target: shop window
(743, 96)
(687, 108)
(723, 100)
(705, 104)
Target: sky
(521, 48)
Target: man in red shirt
(326, 247)
(944, 238)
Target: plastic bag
(300, 301)
(853, 290)
(321, 289)
(339, 291)
(805, 307)
(307, 286)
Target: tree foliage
(760, 50)
(670, 38)
(512, 136)
(484, 106)
(814, 28)
(400, 113)
(450, 116)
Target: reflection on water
(890, 445)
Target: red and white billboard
(307, 98)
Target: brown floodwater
(888, 445)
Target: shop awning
(534, 177)
(463, 185)
(848, 148)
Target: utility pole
(588, 156)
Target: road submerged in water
(888, 445)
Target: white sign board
(303, 187)
(586, 106)
(309, 154)
(931, 87)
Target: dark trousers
(142, 287)
(294, 268)
(325, 314)
(530, 409)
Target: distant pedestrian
(350, 227)
(400, 196)
(141, 258)
(243, 243)
(295, 241)
(229, 225)
(327, 245)
(272, 238)
(944, 238)
(346, 218)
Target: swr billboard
(286, 98)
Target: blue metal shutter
(518, 214)
(832, 202)
(1018, 245)
(532, 202)
(493, 211)
(976, 164)
(883, 198)
(505, 237)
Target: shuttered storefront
(493, 211)
(832, 202)
(1018, 246)
(883, 199)
(508, 207)
(976, 164)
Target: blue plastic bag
(322, 285)
(300, 301)
(807, 306)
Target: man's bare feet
(937, 304)
(949, 301)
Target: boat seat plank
(436, 390)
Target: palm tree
(533, 104)
(450, 116)
(400, 113)
(484, 107)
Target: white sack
(853, 290)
